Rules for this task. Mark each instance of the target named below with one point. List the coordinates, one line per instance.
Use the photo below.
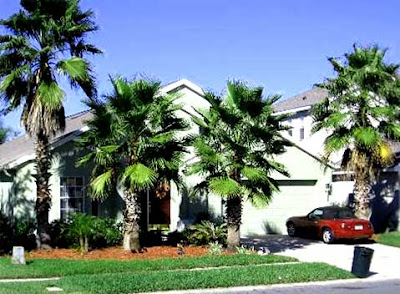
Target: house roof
(301, 101)
(22, 149)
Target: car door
(311, 223)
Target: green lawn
(131, 281)
(42, 268)
(391, 239)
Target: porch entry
(159, 207)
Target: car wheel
(328, 236)
(291, 230)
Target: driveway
(385, 261)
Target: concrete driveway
(385, 261)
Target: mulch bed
(117, 253)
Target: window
(318, 213)
(302, 133)
(290, 132)
(71, 195)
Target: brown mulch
(117, 253)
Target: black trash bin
(361, 261)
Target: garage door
(296, 197)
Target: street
(330, 287)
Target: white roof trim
(298, 109)
(183, 83)
(54, 145)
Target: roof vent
(304, 97)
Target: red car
(330, 223)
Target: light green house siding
(18, 189)
(18, 192)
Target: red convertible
(330, 223)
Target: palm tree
(3, 133)
(236, 147)
(135, 141)
(361, 114)
(46, 41)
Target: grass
(130, 282)
(43, 268)
(391, 239)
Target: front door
(159, 209)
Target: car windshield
(332, 213)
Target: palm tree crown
(46, 41)
(236, 147)
(361, 114)
(135, 141)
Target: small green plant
(243, 250)
(81, 228)
(207, 232)
(106, 232)
(84, 231)
(215, 248)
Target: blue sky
(281, 45)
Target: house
(309, 186)
(385, 203)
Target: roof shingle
(308, 98)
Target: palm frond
(139, 176)
(225, 187)
(100, 184)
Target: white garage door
(295, 198)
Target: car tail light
(345, 226)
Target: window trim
(69, 210)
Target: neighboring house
(309, 186)
(385, 204)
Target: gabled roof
(301, 101)
(22, 149)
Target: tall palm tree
(236, 147)
(361, 114)
(136, 140)
(45, 42)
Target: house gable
(21, 150)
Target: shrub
(24, 234)
(6, 234)
(106, 232)
(207, 232)
(16, 233)
(84, 231)
(81, 229)
(245, 250)
(59, 234)
(215, 248)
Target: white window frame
(70, 210)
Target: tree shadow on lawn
(280, 243)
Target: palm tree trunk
(132, 216)
(43, 196)
(362, 197)
(234, 218)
